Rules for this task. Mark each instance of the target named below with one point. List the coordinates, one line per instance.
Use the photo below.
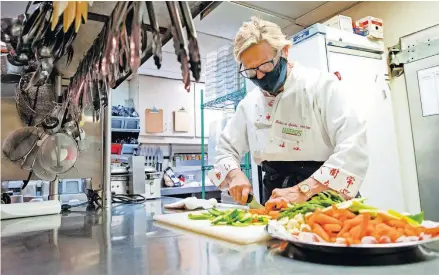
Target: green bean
(218, 219)
(240, 224)
(214, 212)
(202, 216)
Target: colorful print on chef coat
(337, 179)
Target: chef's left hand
(293, 194)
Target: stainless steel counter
(125, 240)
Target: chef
(299, 124)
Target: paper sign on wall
(154, 120)
(429, 90)
(181, 121)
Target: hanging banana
(73, 13)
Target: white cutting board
(239, 235)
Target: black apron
(283, 174)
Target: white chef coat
(313, 119)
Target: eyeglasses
(265, 67)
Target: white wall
(401, 19)
(120, 94)
(169, 95)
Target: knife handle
(249, 198)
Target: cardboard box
(360, 30)
(340, 22)
(373, 26)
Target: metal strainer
(58, 153)
(40, 172)
(19, 143)
(34, 104)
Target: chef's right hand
(239, 186)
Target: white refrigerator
(362, 63)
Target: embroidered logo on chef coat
(350, 180)
(292, 132)
(338, 75)
(268, 116)
(218, 175)
(345, 192)
(296, 148)
(271, 103)
(334, 172)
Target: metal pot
(119, 183)
(10, 73)
(119, 170)
(71, 128)
(150, 169)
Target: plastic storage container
(117, 122)
(131, 123)
(128, 149)
(116, 148)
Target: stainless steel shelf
(186, 190)
(125, 130)
(126, 117)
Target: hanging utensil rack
(196, 9)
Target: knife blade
(252, 202)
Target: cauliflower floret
(283, 221)
(308, 237)
(299, 218)
(293, 224)
(368, 240)
(305, 228)
(294, 231)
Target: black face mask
(275, 79)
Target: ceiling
(217, 29)
(220, 26)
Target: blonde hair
(255, 31)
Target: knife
(252, 202)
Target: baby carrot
(410, 231)
(382, 229)
(394, 235)
(317, 229)
(349, 241)
(370, 228)
(332, 227)
(400, 231)
(331, 211)
(364, 224)
(274, 214)
(396, 223)
(342, 219)
(347, 213)
(336, 214)
(432, 231)
(261, 211)
(325, 219)
(355, 221)
(378, 219)
(310, 220)
(356, 232)
(356, 242)
(346, 227)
